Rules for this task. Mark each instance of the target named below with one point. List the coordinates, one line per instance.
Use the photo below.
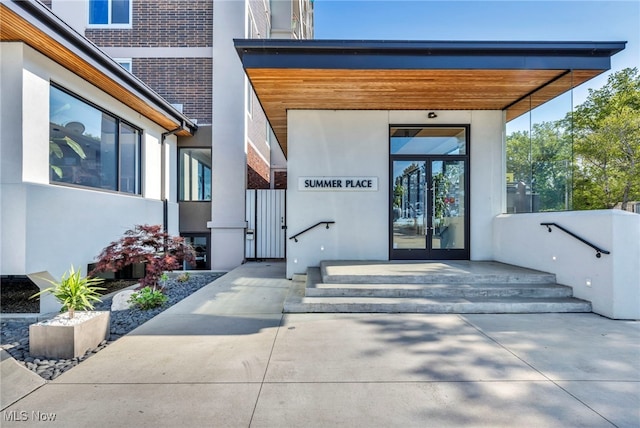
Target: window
(124, 63)
(200, 243)
(249, 94)
(91, 147)
(113, 13)
(268, 133)
(539, 153)
(432, 140)
(195, 174)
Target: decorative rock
(122, 322)
(120, 301)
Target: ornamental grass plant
(74, 292)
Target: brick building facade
(184, 81)
(175, 48)
(161, 23)
(181, 80)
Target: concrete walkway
(227, 357)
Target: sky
(540, 20)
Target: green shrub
(148, 298)
(184, 277)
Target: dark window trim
(119, 121)
(462, 254)
(467, 137)
(201, 235)
(94, 105)
(180, 148)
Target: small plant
(184, 277)
(163, 280)
(147, 244)
(148, 298)
(74, 292)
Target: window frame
(119, 122)
(427, 151)
(181, 195)
(109, 24)
(126, 63)
(249, 98)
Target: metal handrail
(599, 251)
(295, 237)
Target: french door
(429, 207)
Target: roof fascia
(414, 62)
(404, 55)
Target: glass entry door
(429, 196)
(448, 220)
(409, 208)
(428, 209)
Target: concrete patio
(227, 357)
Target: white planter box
(54, 339)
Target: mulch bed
(15, 294)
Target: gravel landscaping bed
(15, 334)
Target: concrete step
(316, 288)
(420, 272)
(299, 277)
(297, 302)
(463, 287)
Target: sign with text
(338, 184)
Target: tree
(607, 143)
(541, 160)
(519, 156)
(551, 165)
(146, 244)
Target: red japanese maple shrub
(146, 244)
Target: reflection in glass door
(200, 244)
(448, 213)
(429, 209)
(409, 197)
(429, 197)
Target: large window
(433, 140)
(90, 147)
(195, 174)
(110, 12)
(539, 151)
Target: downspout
(163, 176)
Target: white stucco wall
(614, 279)
(229, 169)
(337, 143)
(47, 227)
(11, 84)
(356, 143)
(75, 13)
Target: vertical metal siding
(265, 215)
(250, 217)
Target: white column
(229, 156)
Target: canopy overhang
(415, 75)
